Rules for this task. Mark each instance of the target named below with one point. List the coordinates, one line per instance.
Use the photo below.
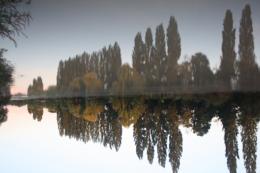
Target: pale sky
(63, 28)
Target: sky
(63, 28)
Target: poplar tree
(138, 55)
(247, 66)
(174, 51)
(161, 54)
(227, 64)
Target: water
(113, 135)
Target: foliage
(129, 82)
(12, 19)
(92, 84)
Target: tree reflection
(3, 114)
(229, 121)
(156, 123)
(90, 120)
(248, 119)
(36, 109)
(157, 127)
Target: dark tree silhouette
(248, 69)
(227, 65)
(12, 19)
(6, 79)
(174, 51)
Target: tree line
(156, 67)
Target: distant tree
(39, 84)
(161, 54)
(59, 77)
(12, 19)
(227, 65)
(202, 74)
(36, 89)
(248, 69)
(138, 57)
(174, 51)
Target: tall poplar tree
(227, 64)
(138, 56)
(247, 66)
(148, 48)
(161, 54)
(174, 51)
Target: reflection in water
(87, 121)
(228, 119)
(3, 110)
(36, 110)
(156, 124)
(3, 116)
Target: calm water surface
(128, 136)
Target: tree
(202, 74)
(51, 91)
(227, 64)
(248, 69)
(161, 54)
(12, 19)
(92, 84)
(129, 81)
(36, 89)
(154, 78)
(174, 51)
(148, 50)
(77, 87)
(138, 57)
(184, 78)
(6, 79)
